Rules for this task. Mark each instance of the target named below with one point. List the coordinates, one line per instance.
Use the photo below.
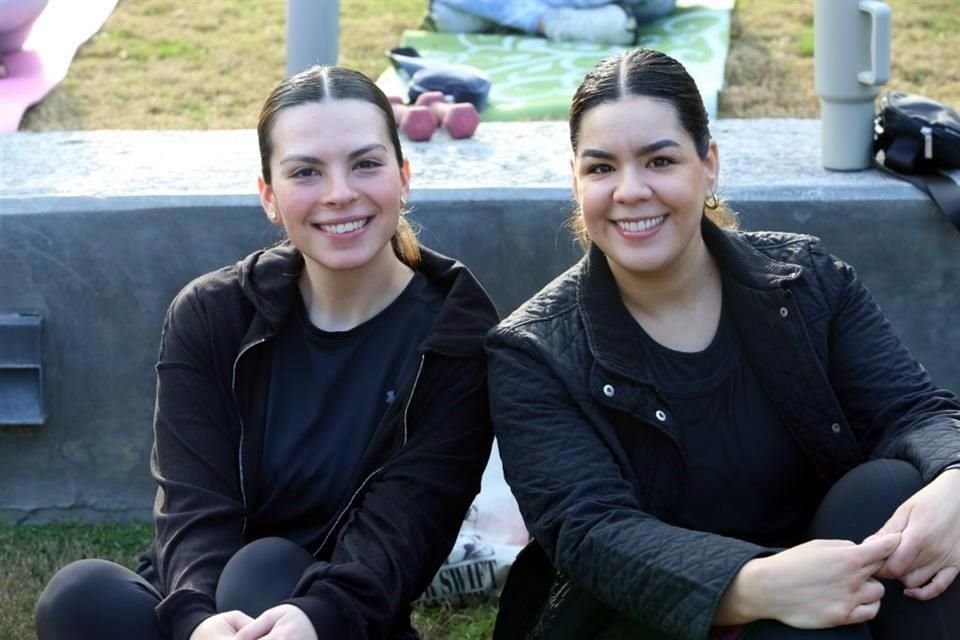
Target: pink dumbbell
(416, 122)
(459, 119)
(428, 98)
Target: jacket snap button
(608, 390)
(835, 427)
(661, 416)
(784, 312)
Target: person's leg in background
(856, 507)
(645, 11)
(94, 599)
(485, 16)
(16, 19)
(604, 21)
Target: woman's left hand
(928, 558)
(283, 622)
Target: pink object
(399, 110)
(427, 98)
(460, 119)
(418, 123)
(46, 55)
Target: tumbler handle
(879, 71)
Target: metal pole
(313, 32)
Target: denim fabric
(475, 16)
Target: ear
(268, 202)
(405, 179)
(575, 183)
(711, 168)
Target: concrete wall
(99, 230)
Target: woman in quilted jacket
(713, 433)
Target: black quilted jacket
(588, 446)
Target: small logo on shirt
(391, 396)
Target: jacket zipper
(370, 476)
(233, 387)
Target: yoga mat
(46, 55)
(534, 78)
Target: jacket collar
(740, 260)
(607, 321)
(269, 278)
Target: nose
(633, 185)
(338, 191)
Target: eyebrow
(353, 155)
(642, 151)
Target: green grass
(770, 67)
(30, 555)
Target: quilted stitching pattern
(840, 379)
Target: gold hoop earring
(712, 202)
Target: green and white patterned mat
(534, 78)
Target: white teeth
(345, 227)
(636, 226)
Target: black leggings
(94, 599)
(855, 507)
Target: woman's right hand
(816, 585)
(222, 626)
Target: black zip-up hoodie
(409, 494)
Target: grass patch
(30, 555)
(770, 66)
(805, 42)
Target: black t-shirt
(745, 475)
(328, 392)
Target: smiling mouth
(636, 226)
(343, 227)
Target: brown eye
(600, 168)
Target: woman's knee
(274, 565)
(95, 598)
(860, 502)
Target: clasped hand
(927, 560)
(829, 583)
(283, 622)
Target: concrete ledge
(98, 231)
